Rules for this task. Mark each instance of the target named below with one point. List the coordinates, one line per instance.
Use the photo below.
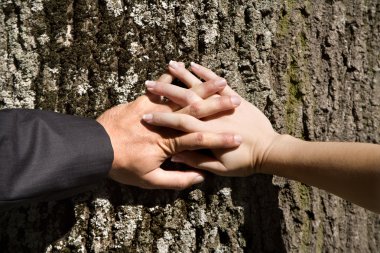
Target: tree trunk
(313, 67)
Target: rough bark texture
(312, 66)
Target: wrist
(279, 153)
(103, 123)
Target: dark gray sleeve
(46, 155)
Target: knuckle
(225, 102)
(228, 139)
(209, 87)
(199, 139)
(174, 145)
(195, 110)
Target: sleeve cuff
(46, 155)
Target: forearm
(349, 170)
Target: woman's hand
(349, 170)
(246, 121)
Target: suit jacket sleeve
(46, 155)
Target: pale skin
(140, 149)
(349, 170)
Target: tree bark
(313, 67)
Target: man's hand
(140, 149)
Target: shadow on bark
(35, 227)
(31, 228)
(256, 194)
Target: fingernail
(238, 140)
(150, 84)
(194, 65)
(198, 180)
(173, 64)
(148, 117)
(235, 100)
(177, 159)
(221, 83)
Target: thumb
(176, 180)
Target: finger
(176, 94)
(200, 161)
(205, 90)
(208, 75)
(209, 88)
(176, 180)
(194, 141)
(165, 78)
(203, 72)
(211, 106)
(168, 77)
(183, 74)
(180, 97)
(182, 122)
